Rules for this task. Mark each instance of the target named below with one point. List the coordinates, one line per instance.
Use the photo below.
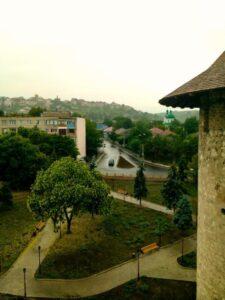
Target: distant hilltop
(96, 110)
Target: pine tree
(161, 227)
(140, 189)
(172, 189)
(182, 169)
(183, 217)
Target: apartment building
(61, 123)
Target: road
(114, 153)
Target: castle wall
(211, 220)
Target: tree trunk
(68, 221)
(160, 240)
(140, 201)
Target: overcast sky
(128, 51)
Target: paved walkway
(144, 203)
(160, 264)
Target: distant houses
(157, 131)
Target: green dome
(169, 115)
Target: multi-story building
(53, 123)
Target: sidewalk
(159, 264)
(144, 203)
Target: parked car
(111, 162)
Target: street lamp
(24, 282)
(39, 259)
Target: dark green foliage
(150, 289)
(161, 227)
(19, 161)
(183, 215)
(67, 188)
(140, 189)
(54, 146)
(188, 260)
(36, 111)
(172, 189)
(93, 138)
(1, 113)
(5, 195)
(122, 122)
(191, 125)
(182, 169)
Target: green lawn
(154, 188)
(151, 288)
(189, 260)
(102, 242)
(16, 227)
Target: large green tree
(93, 138)
(36, 111)
(140, 189)
(19, 161)
(66, 189)
(53, 145)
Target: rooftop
(201, 90)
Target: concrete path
(159, 264)
(144, 203)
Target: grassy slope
(16, 227)
(154, 188)
(99, 243)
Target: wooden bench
(40, 225)
(149, 248)
(121, 191)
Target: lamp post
(138, 263)
(24, 282)
(39, 259)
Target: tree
(161, 227)
(122, 122)
(66, 189)
(5, 195)
(36, 111)
(140, 189)
(19, 161)
(182, 169)
(2, 113)
(172, 189)
(93, 138)
(53, 145)
(191, 125)
(183, 217)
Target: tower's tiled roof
(210, 81)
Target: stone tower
(207, 92)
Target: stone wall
(211, 220)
